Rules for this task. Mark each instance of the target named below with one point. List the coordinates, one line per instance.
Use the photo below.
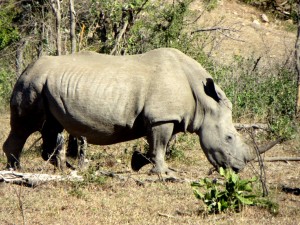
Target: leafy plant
(232, 195)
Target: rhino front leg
(158, 139)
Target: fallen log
(34, 179)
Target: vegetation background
(251, 58)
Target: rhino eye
(229, 138)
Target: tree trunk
(72, 27)
(56, 10)
(19, 57)
(297, 54)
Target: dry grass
(114, 201)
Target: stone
(264, 18)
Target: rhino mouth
(235, 169)
(226, 166)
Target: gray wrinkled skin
(111, 99)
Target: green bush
(6, 81)
(8, 31)
(267, 97)
(231, 194)
(161, 26)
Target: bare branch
(235, 39)
(297, 56)
(262, 174)
(213, 29)
(56, 9)
(72, 27)
(278, 159)
(165, 215)
(262, 126)
(119, 38)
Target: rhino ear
(210, 90)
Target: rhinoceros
(112, 99)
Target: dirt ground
(246, 35)
(106, 200)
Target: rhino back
(101, 97)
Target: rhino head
(221, 143)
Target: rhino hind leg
(22, 126)
(12, 148)
(77, 149)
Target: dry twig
(262, 174)
(277, 159)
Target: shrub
(8, 31)
(232, 194)
(6, 80)
(267, 96)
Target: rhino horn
(264, 148)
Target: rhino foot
(138, 160)
(164, 171)
(13, 166)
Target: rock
(264, 18)
(256, 24)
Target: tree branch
(119, 38)
(213, 29)
(72, 26)
(277, 159)
(56, 10)
(297, 57)
(262, 126)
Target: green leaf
(253, 179)
(195, 184)
(244, 200)
(198, 194)
(222, 171)
(234, 177)
(219, 207)
(248, 188)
